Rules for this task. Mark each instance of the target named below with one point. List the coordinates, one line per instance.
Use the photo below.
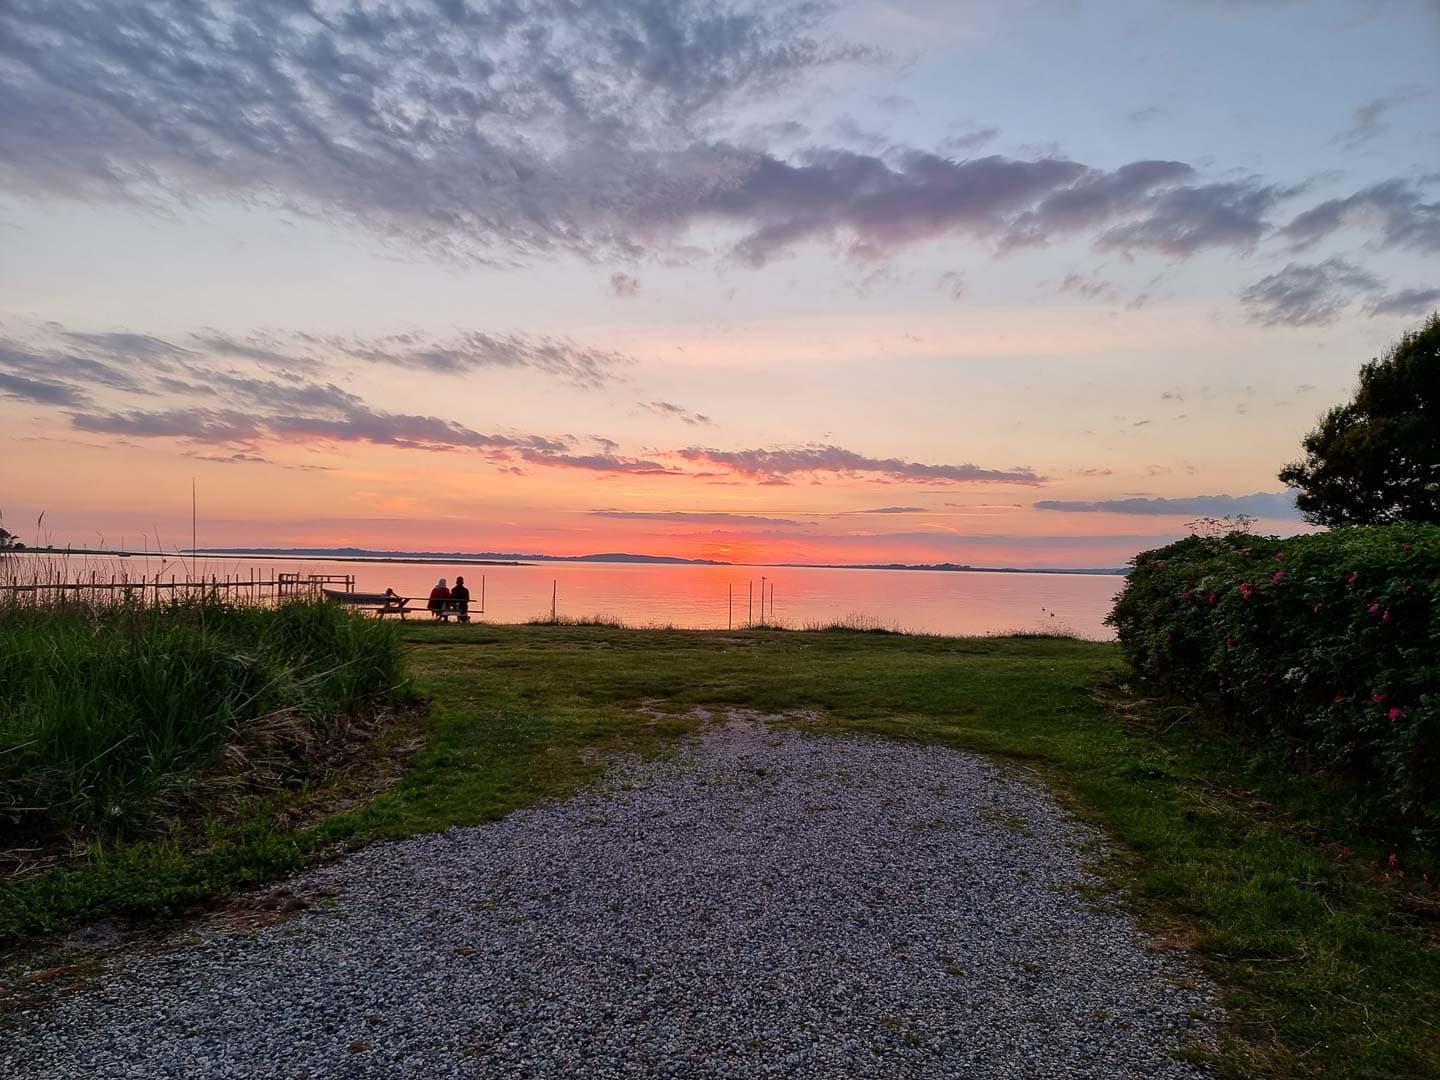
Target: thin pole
(482, 594)
(772, 600)
(554, 593)
(750, 609)
(730, 618)
(193, 516)
(762, 599)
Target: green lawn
(1327, 967)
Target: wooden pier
(161, 588)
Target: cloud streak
(697, 518)
(671, 411)
(783, 464)
(474, 350)
(39, 391)
(122, 360)
(1396, 210)
(1275, 505)
(1307, 294)
(888, 510)
(1421, 301)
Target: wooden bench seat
(449, 608)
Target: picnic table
(381, 603)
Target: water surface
(710, 597)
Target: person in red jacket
(439, 598)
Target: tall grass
(110, 714)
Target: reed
(612, 622)
(114, 715)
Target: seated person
(460, 600)
(439, 600)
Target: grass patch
(1326, 964)
(111, 715)
(155, 752)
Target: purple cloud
(1395, 209)
(675, 412)
(1405, 302)
(1307, 295)
(697, 518)
(1274, 505)
(779, 465)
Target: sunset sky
(885, 280)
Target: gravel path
(765, 903)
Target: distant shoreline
(618, 559)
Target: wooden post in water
(554, 592)
(750, 604)
(762, 599)
(730, 616)
(772, 600)
(482, 594)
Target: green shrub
(1328, 644)
(109, 714)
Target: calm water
(698, 596)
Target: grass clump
(111, 715)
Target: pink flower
(1385, 617)
(1277, 577)
(1229, 643)
(1377, 698)
(1395, 714)
(1394, 861)
(1404, 547)
(1161, 564)
(1247, 590)
(1339, 698)
(1343, 854)
(1318, 607)
(1187, 596)
(1373, 608)
(1244, 551)
(1279, 556)
(1212, 598)
(1353, 578)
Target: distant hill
(496, 558)
(963, 568)
(508, 558)
(348, 554)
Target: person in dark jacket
(439, 598)
(460, 600)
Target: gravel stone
(763, 903)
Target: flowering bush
(1337, 654)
